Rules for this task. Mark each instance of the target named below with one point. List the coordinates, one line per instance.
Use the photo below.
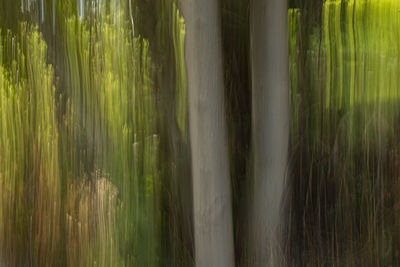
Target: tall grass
(29, 172)
(111, 117)
(80, 177)
(344, 136)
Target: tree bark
(211, 181)
(270, 119)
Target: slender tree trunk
(270, 118)
(211, 182)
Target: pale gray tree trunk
(270, 122)
(211, 182)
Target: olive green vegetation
(110, 115)
(344, 135)
(80, 171)
(94, 151)
(29, 168)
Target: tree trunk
(211, 182)
(270, 118)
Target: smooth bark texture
(211, 183)
(270, 118)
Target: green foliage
(80, 178)
(111, 115)
(344, 142)
(29, 172)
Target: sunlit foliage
(79, 147)
(345, 134)
(29, 170)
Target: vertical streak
(339, 55)
(328, 55)
(42, 11)
(133, 24)
(355, 51)
(54, 16)
(82, 9)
